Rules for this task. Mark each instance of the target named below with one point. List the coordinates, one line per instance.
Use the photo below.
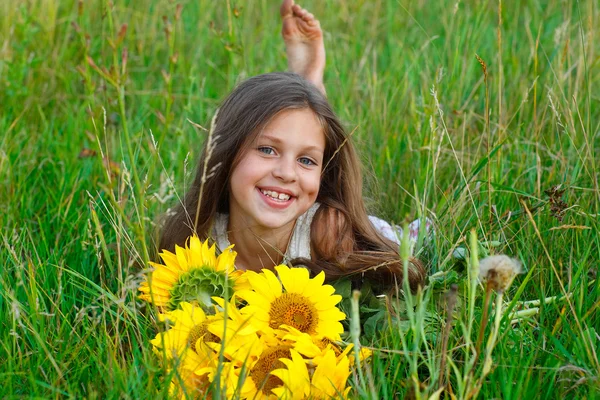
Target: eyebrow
(277, 140)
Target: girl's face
(278, 176)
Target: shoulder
(299, 246)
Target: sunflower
(316, 349)
(189, 331)
(229, 383)
(186, 383)
(326, 381)
(239, 340)
(184, 348)
(293, 300)
(192, 274)
(310, 346)
(260, 376)
(330, 377)
(252, 377)
(295, 378)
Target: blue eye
(306, 161)
(266, 150)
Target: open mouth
(276, 196)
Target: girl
(282, 181)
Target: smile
(275, 195)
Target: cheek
(241, 172)
(313, 183)
(236, 182)
(246, 175)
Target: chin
(274, 222)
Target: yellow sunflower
(184, 348)
(315, 349)
(186, 384)
(295, 378)
(193, 274)
(230, 383)
(309, 346)
(330, 377)
(326, 381)
(188, 332)
(239, 340)
(252, 377)
(293, 300)
(260, 378)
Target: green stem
(473, 272)
(355, 335)
(487, 365)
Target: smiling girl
(274, 183)
(285, 187)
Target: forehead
(295, 125)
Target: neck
(259, 248)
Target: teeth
(275, 195)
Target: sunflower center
(198, 332)
(269, 361)
(198, 285)
(294, 310)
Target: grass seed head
(499, 271)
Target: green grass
(77, 231)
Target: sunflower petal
(181, 257)
(293, 279)
(326, 303)
(273, 282)
(263, 285)
(169, 259)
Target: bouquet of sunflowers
(243, 334)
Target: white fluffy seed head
(499, 271)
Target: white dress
(299, 246)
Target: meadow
(482, 116)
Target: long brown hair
(354, 247)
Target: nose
(285, 170)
